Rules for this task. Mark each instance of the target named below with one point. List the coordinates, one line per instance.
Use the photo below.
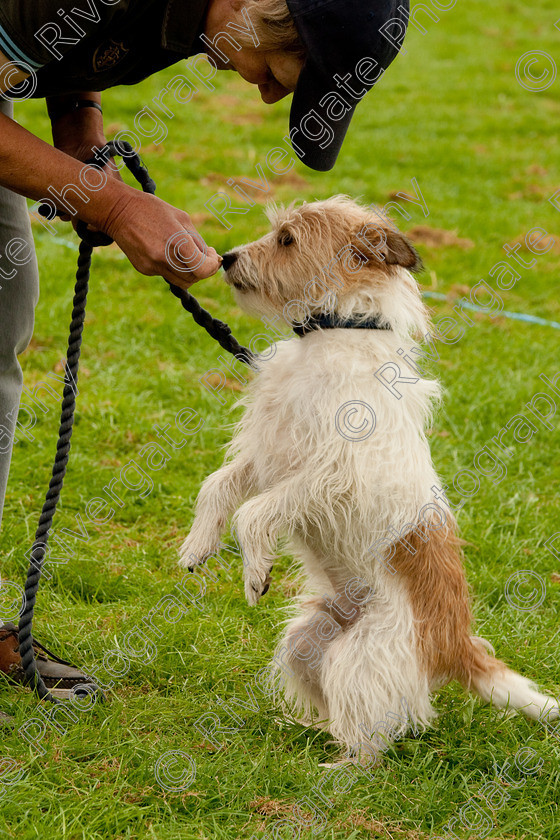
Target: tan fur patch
(431, 563)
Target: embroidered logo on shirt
(108, 54)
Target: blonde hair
(273, 25)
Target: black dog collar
(334, 322)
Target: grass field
(483, 149)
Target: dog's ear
(382, 244)
(401, 252)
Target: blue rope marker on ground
(515, 316)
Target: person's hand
(159, 239)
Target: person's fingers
(212, 262)
(208, 264)
(185, 256)
(113, 171)
(208, 252)
(141, 225)
(194, 234)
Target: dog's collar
(331, 321)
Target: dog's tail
(429, 560)
(492, 680)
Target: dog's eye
(285, 239)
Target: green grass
(482, 148)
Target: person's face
(275, 72)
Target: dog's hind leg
(372, 678)
(295, 669)
(357, 667)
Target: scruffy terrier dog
(332, 454)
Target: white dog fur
(368, 632)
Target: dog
(332, 455)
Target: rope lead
(218, 330)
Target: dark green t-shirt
(83, 45)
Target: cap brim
(316, 140)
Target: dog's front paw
(192, 553)
(257, 581)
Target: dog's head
(329, 256)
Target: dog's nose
(228, 260)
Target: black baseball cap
(339, 36)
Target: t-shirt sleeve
(35, 32)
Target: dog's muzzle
(229, 264)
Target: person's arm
(142, 225)
(76, 131)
